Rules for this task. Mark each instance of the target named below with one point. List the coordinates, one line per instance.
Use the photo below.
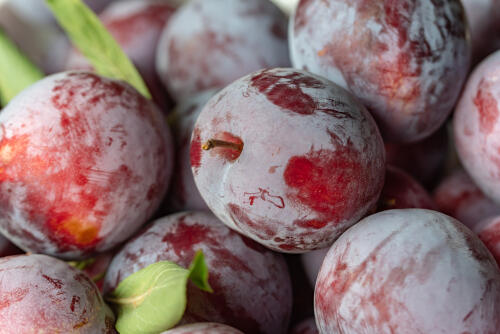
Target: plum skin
(312, 161)
(406, 60)
(40, 294)
(410, 270)
(82, 171)
(252, 288)
(203, 328)
(488, 231)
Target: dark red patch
(227, 153)
(260, 228)
(10, 297)
(75, 300)
(487, 106)
(184, 238)
(196, 150)
(312, 223)
(57, 283)
(265, 196)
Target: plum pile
(351, 149)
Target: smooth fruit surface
(307, 159)
(203, 328)
(489, 232)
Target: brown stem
(212, 143)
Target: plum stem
(212, 143)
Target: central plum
(405, 59)
(84, 162)
(287, 158)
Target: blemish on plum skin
(196, 150)
(487, 107)
(266, 196)
(54, 281)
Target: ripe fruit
(252, 289)
(458, 196)
(203, 328)
(209, 44)
(287, 158)
(489, 232)
(476, 124)
(40, 294)
(84, 162)
(408, 271)
(405, 59)
(136, 25)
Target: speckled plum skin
(136, 25)
(252, 289)
(476, 126)
(183, 194)
(488, 231)
(84, 162)
(307, 326)
(209, 44)
(40, 294)
(405, 59)
(400, 191)
(458, 196)
(408, 271)
(312, 162)
(204, 328)
(484, 22)
(424, 160)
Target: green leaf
(16, 71)
(82, 264)
(90, 36)
(153, 299)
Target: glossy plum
(84, 162)
(203, 328)
(458, 196)
(209, 44)
(302, 160)
(488, 231)
(424, 160)
(408, 271)
(405, 59)
(40, 294)
(184, 194)
(252, 289)
(307, 326)
(136, 25)
(476, 126)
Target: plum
(476, 125)
(40, 294)
(209, 44)
(203, 328)
(287, 158)
(405, 59)
(183, 194)
(424, 160)
(84, 162)
(488, 231)
(307, 326)
(136, 25)
(408, 271)
(252, 289)
(484, 22)
(458, 196)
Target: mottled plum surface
(405, 59)
(458, 196)
(310, 161)
(183, 193)
(204, 328)
(408, 271)
(84, 162)
(136, 25)
(477, 126)
(488, 231)
(252, 289)
(209, 44)
(40, 294)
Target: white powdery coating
(204, 328)
(40, 294)
(408, 271)
(184, 194)
(97, 156)
(458, 196)
(407, 68)
(476, 126)
(252, 288)
(208, 44)
(335, 132)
